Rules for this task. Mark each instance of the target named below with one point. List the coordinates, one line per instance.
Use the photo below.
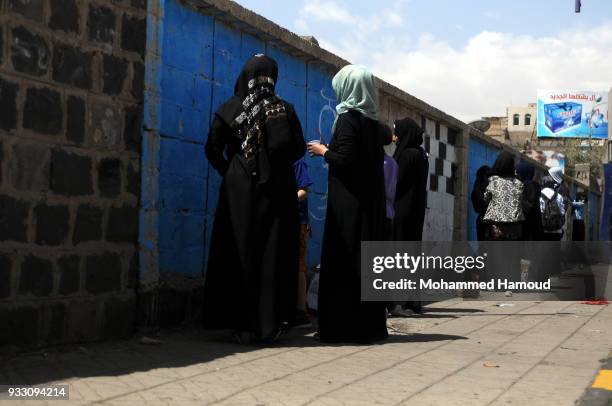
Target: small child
(303, 183)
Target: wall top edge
(234, 14)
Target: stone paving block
(426, 367)
(538, 387)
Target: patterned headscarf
(255, 88)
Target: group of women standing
(512, 206)
(254, 140)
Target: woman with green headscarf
(355, 210)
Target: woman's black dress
(251, 280)
(411, 190)
(355, 213)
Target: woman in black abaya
(254, 140)
(355, 211)
(411, 189)
(478, 201)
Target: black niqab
(409, 135)
(504, 165)
(258, 66)
(525, 171)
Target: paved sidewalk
(459, 353)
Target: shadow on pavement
(452, 310)
(179, 349)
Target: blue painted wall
(480, 154)
(200, 60)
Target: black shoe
(301, 320)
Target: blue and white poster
(572, 114)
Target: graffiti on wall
(327, 116)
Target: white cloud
(392, 17)
(329, 11)
(495, 69)
(491, 71)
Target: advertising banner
(572, 114)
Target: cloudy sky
(470, 58)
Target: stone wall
(71, 91)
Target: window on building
(527, 119)
(515, 119)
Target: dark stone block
(132, 277)
(70, 174)
(138, 81)
(433, 182)
(442, 150)
(101, 24)
(105, 127)
(69, 274)
(452, 136)
(423, 123)
(56, 318)
(450, 186)
(64, 15)
(8, 105)
(36, 276)
(141, 4)
(32, 9)
(43, 111)
(1, 45)
(437, 130)
(132, 130)
(122, 224)
(75, 125)
(103, 273)
(6, 267)
(19, 326)
(119, 317)
(83, 321)
(29, 52)
(109, 177)
(13, 219)
(133, 179)
(427, 143)
(115, 72)
(134, 34)
(439, 170)
(71, 66)
(88, 224)
(51, 224)
(30, 166)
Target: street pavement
(458, 353)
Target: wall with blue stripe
(199, 60)
(480, 153)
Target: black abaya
(254, 246)
(411, 190)
(355, 213)
(479, 203)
